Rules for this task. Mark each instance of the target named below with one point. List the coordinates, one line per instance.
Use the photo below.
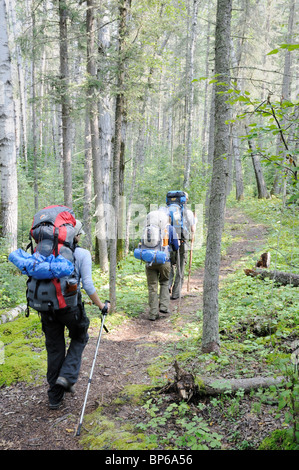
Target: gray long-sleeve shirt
(83, 266)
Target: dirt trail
(26, 423)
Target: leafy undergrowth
(259, 332)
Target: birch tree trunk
(119, 112)
(210, 336)
(190, 98)
(33, 113)
(94, 129)
(205, 109)
(22, 99)
(8, 156)
(87, 185)
(105, 106)
(65, 105)
(279, 183)
(235, 138)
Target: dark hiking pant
(64, 362)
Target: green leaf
(273, 52)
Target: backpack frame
(176, 203)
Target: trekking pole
(190, 263)
(179, 272)
(104, 312)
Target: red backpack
(53, 231)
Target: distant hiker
(64, 366)
(55, 268)
(183, 220)
(158, 237)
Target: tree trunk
(8, 156)
(205, 107)
(33, 115)
(21, 86)
(279, 183)
(105, 105)
(238, 168)
(210, 337)
(190, 97)
(87, 205)
(260, 181)
(211, 145)
(119, 112)
(235, 138)
(95, 141)
(65, 105)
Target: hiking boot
(57, 404)
(173, 297)
(153, 318)
(68, 387)
(165, 311)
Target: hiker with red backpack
(63, 369)
(55, 269)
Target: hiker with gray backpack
(157, 240)
(55, 269)
(184, 223)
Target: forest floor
(124, 356)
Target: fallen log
(187, 386)
(279, 277)
(12, 314)
(215, 387)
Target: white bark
(65, 106)
(8, 157)
(190, 97)
(105, 109)
(95, 142)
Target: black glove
(105, 308)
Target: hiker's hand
(105, 307)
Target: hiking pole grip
(105, 311)
(105, 308)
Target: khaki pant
(158, 275)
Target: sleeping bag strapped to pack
(52, 283)
(153, 247)
(176, 204)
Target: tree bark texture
(210, 338)
(279, 277)
(95, 140)
(8, 157)
(188, 386)
(65, 105)
(190, 97)
(260, 180)
(119, 112)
